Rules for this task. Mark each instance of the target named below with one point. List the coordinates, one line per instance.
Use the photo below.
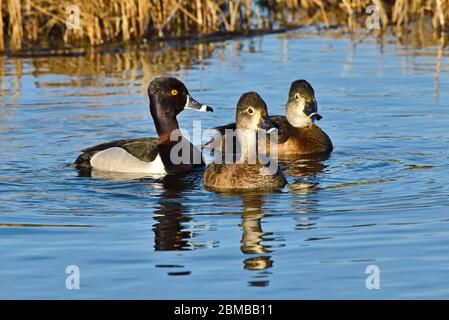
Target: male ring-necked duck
(243, 174)
(298, 134)
(168, 97)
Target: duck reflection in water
(305, 172)
(305, 175)
(169, 232)
(253, 237)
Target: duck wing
(218, 142)
(285, 129)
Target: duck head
(168, 97)
(252, 113)
(301, 109)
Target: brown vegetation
(43, 23)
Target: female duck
(298, 134)
(168, 97)
(248, 172)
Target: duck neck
(248, 146)
(165, 123)
(165, 127)
(169, 137)
(295, 115)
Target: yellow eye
(174, 92)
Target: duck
(297, 132)
(246, 171)
(168, 97)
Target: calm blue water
(380, 199)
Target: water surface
(380, 199)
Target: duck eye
(174, 92)
(297, 96)
(250, 110)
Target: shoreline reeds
(28, 24)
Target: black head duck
(168, 97)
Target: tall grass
(2, 45)
(28, 23)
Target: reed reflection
(410, 41)
(130, 67)
(136, 66)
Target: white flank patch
(119, 160)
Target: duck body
(142, 155)
(124, 155)
(300, 141)
(169, 153)
(240, 177)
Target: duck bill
(311, 110)
(192, 104)
(315, 116)
(266, 124)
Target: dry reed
(28, 23)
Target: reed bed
(25, 24)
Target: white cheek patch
(119, 160)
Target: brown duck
(242, 173)
(298, 134)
